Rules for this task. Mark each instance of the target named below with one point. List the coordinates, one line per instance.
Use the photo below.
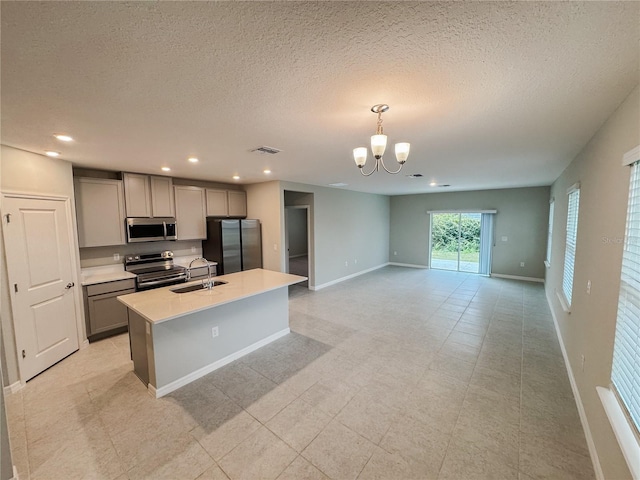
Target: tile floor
(397, 374)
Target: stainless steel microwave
(151, 229)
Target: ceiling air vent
(264, 150)
(415, 175)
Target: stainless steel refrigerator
(235, 244)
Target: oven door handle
(182, 276)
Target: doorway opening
(298, 253)
(298, 241)
(461, 241)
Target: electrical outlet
(275, 247)
(355, 261)
(116, 257)
(522, 264)
(582, 363)
(193, 249)
(588, 287)
(505, 238)
(395, 253)
(214, 332)
(346, 264)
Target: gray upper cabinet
(191, 212)
(217, 205)
(226, 203)
(162, 204)
(137, 192)
(148, 196)
(100, 211)
(237, 203)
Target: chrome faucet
(209, 282)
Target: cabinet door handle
(69, 285)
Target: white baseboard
(84, 344)
(348, 277)
(518, 277)
(15, 473)
(13, 388)
(576, 394)
(408, 265)
(201, 372)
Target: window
(549, 233)
(572, 236)
(625, 372)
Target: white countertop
(161, 304)
(107, 273)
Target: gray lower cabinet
(104, 314)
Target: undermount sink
(197, 286)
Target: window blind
(570, 250)
(625, 373)
(550, 231)
(486, 243)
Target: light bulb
(378, 145)
(402, 152)
(360, 156)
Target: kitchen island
(177, 338)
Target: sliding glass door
(461, 241)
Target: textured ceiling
(489, 94)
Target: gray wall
(297, 228)
(522, 217)
(590, 328)
(6, 462)
(347, 226)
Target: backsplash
(98, 256)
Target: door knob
(69, 285)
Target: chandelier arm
(389, 171)
(375, 169)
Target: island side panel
(185, 349)
(138, 341)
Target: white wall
(265, 202)
(589, 329)
(26, 172)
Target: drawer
(108, 287)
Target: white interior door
(39, 264)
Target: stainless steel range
(154, 270)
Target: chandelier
(378, 145)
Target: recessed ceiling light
(339, 184)
(266, 171)
(51, 153)
(433, 184)
(193, 159)
(63, 138)
(166, 169)
(236, 177)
